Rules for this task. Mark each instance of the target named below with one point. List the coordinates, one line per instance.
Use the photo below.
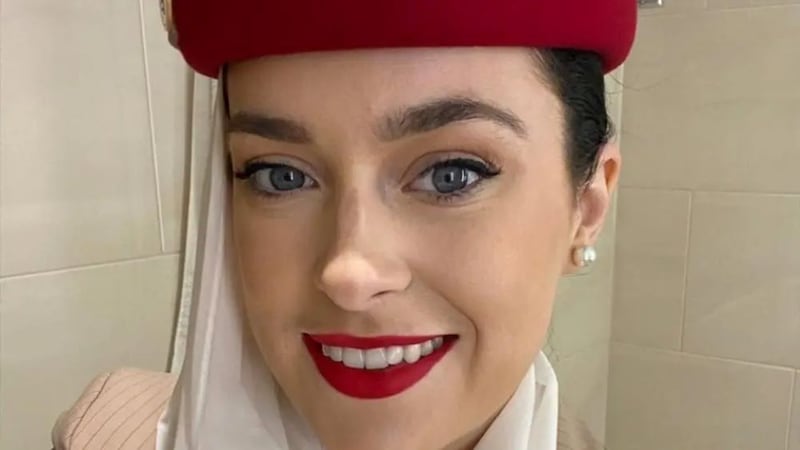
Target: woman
(396, 189)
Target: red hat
(211, 33)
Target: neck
(470, 440)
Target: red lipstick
(373, 383)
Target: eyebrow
(416, 119)
(445, 111)
(274, 128)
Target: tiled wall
(92, 149)
(706, 319)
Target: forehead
(374, 81)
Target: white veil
(226, 398)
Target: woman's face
(385, 198)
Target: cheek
(274, 262)
(500, 268)
(503, 281)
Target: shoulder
(117, 411)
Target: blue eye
(274, 179)
(453, 177)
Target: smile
(383, 357)
(371, 368)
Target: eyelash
(484, 171)
(253, 167)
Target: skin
(367, 251)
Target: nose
(361, 266)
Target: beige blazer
(117, 411)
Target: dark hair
(576, 77)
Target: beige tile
(650, 263)
(169, 89)
(582, 314)
(614, 88)
(742, 297)
(606, 243)
(583, 386)
(661, 400)
(794, 432)
(674, 7)
(76, 171)
(723, 4)
(58, 331)
(711, 102)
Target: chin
(411, 420)
(375, 439)
(378, 427)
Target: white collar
(530, 418)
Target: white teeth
(426, 348)
(394, 355)
(411, 353)
(336, 353)
(381, 358)
(375, 359)
(353, 357)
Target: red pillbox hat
(211, 33)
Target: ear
(593, 203)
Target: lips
(348, 363)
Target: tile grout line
(710, 8)
(721, 359)
(710, 191)
(151, 122)
(706, 7)
(792, 412)
(63, 270)
(686, 270)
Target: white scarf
(226, 398)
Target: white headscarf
(226, 397)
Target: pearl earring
(584, 256)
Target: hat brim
(211, 33)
